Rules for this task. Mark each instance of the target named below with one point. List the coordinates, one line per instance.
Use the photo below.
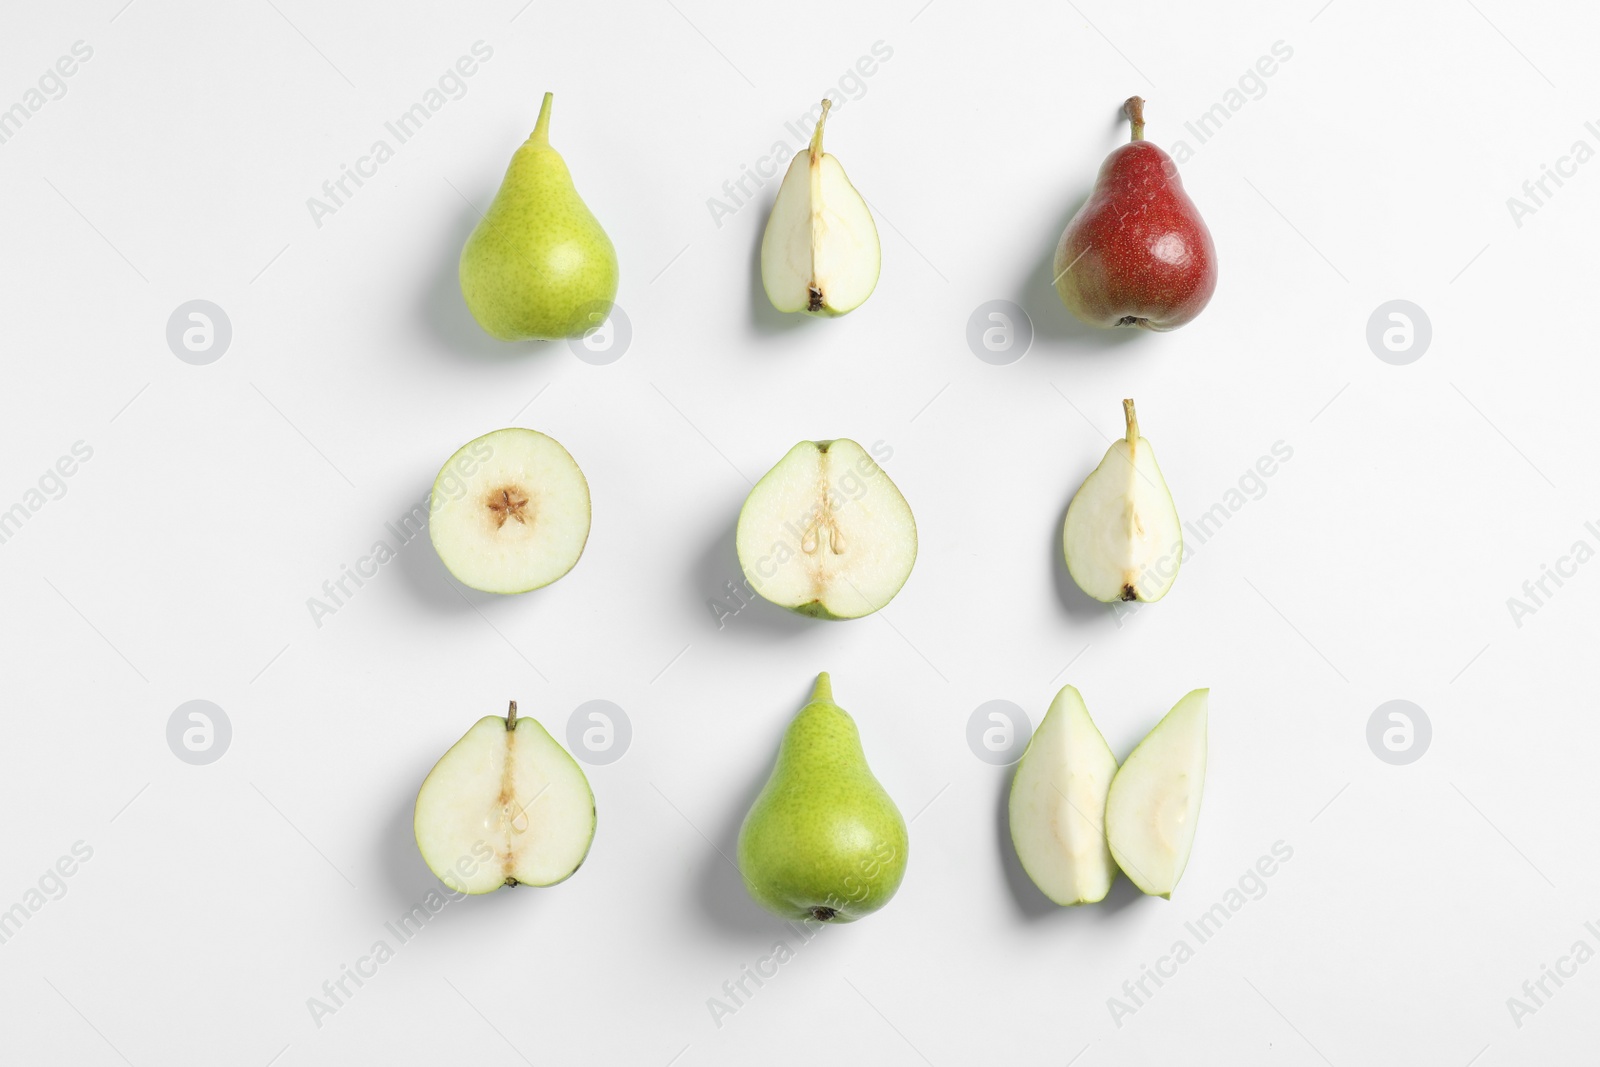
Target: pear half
(510, 512)
(505, 806)
(1122, 537)
(826, 533)
(1154, 803)
(1058, 804)
(820, 252)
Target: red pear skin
(1137, 253)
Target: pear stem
(822, 693)
(1134, 109)
(511, 717)
(816, 138)
(541, 129)
(1133, 423)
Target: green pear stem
(816, 138)
(1134, 109)
(822, 693)
(511, 716)
(541, 129)
(1133, 423)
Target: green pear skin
(823, 841)
(538, 266)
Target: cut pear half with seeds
(510, 512)
(820, 252)
(1058, 804)
(826, 533)
(505, 806)
(1122, 538)
(1154, 803)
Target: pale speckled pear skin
(538, 266)
(823, 840)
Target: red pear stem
(1134, 109)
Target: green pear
(823, 841)
(538, 266)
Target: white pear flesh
(820, 252)
(826, 533)
(505, 806)
(510, 512)
(1122, 538)
(1154, 803)
(1058, 804)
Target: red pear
(1137, 253)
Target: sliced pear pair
(1076, 817)
(1122, 538)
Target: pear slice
(505, 806)
(1154, 803)
(510, 512)
(826, 533)
(1122, 538)
(1058, 804)
(820, 252)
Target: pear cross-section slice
(1058, 804)
(1122, 537)
(820, 252)
(510, 511)
(1154, 803)
(826, 533)
(506, 805)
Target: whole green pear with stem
(823, 840)
(538, 266)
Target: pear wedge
(820, 253)
(1154, 802)
(1058, 804)
(1122, 537)
(505, 806)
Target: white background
(1375, 165)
